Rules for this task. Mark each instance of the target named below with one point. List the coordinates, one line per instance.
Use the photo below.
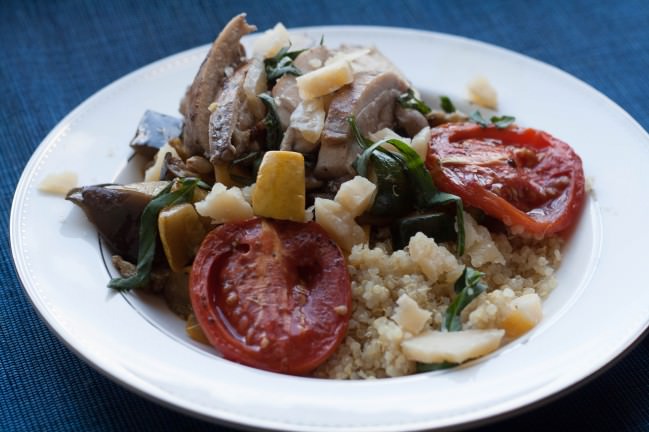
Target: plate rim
(59, 131)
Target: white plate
(596, 312)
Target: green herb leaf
(446, 104)
(362, 161)
(467, 288)
(430, 367)
(322, 40)
(476, 117)
(148, 232)
(426, 194)
(502, 121)
(409, 100)
(281, 64)
(274, 133)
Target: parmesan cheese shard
(339, 224)
(59, 183)
(325, 80)
(356, 195)
(434, 261)
(525, 313)
(482, 93)
(453, 347)
(224, 205)
(409, 315)
(420, 142)
(271, 41)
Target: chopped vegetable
(409, 100)
(500, 122)
(274, 133)
(467, 288)
(437, 225)
(476, 117)
(538, 180)
(154, 131)
(148, 232)
(446, 104)
(426, 194)
(281, 64)
(181, 233)
(275, 295)
(280, 189)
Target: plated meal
(310, 214)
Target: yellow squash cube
(280, 190)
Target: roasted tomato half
(274, 295)
(527, 178)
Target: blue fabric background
(55, 54)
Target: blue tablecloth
(53, 55)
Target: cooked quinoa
(426, 272)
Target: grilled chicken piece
(285, 90)
(225, 55)
(232, 120)
(372, 100)
(410, 120)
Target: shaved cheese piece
(356, 195)
(325, 80)
(271, 41)
(526, 312)
(339, 224)
(224, 205)
(482, 93)
(420, 142)
(453, 347)
(59, 183)
(409, 315)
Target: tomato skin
(525, 177)
(275, 295)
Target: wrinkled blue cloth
(53, 55)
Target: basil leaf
(281, 64)
(427, 195)
(430, 367)
(409, 100)
(502, 121)
(362, 161)
(274, 133)
(356, 133)
(442, 198)
(467, 287)
(476, 117)
(148, 232)
(446, 104)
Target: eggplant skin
(154, 131)
(115, 211)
